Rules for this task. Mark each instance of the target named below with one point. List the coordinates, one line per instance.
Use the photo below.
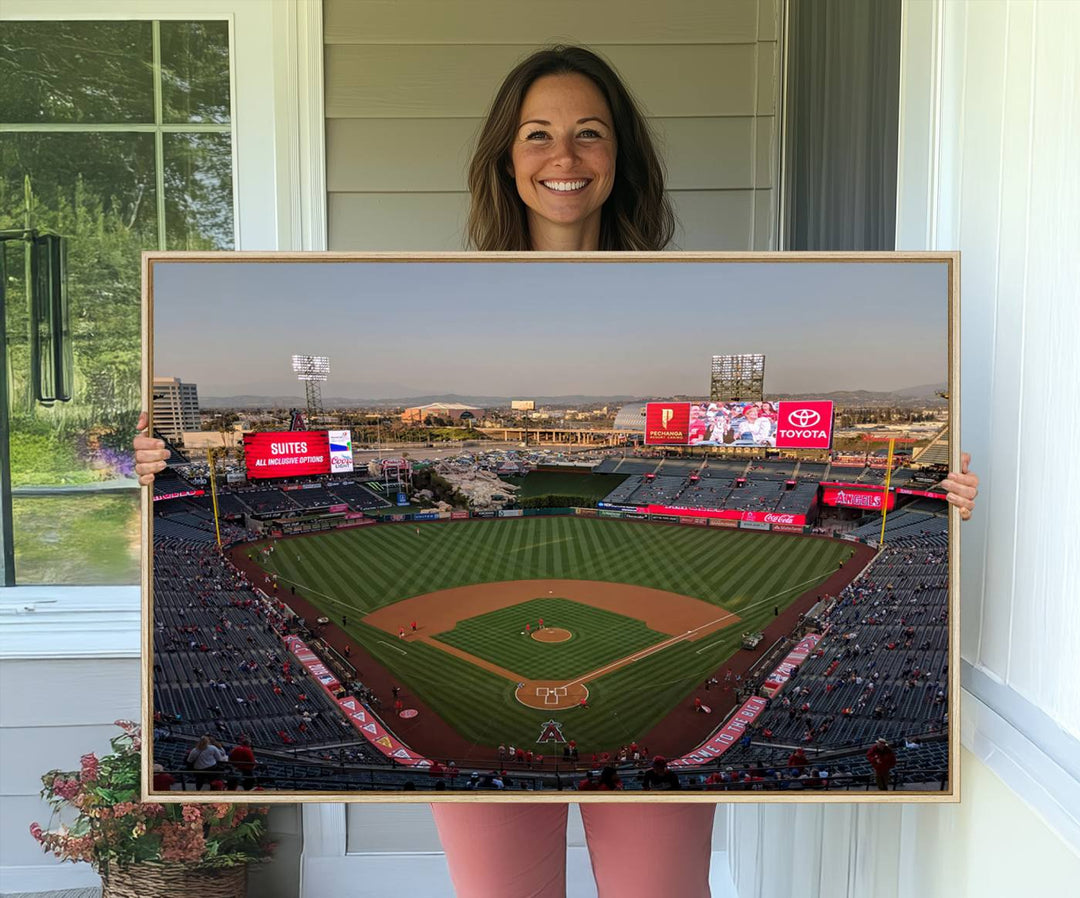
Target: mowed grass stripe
(464, 551)
(334, 570)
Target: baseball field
(635, 615)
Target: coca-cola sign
(731, 514)
(804, 424)
(779, 519)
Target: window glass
(195, 71)
(100, 185)
(85, 539)
(71, 72)
(198, 191)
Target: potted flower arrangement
(148, 848)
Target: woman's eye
(589, 132)
(536, 135)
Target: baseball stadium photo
(455, 526)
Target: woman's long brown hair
(637, 214)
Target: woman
(565, 163)
(753, 428)
(206, 759)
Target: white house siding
(52, 712)
(408, 83)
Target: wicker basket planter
(174, 881)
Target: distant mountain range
(924, 394)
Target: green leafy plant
(112, 828)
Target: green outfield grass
(599, 637)
(356, 571)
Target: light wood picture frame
(559, 593)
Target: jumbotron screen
(288, 453)
(782, 425)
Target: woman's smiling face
(563, 155)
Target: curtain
(840, 129)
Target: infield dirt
(680, 617)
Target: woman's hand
(962, 488)
(150, 454)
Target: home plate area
(551, 695)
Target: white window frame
(279, 204)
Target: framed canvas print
(551, 528)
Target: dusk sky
(396, 330)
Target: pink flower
(152, 809)
(123, 808)
(192, 814)
(181, 842)
(36, 832)
(65, 788)
(219, 809)
(89, 767)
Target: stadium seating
(356, 496)
(881, 670)
(312, 497)
(267, 501)
(220, 665)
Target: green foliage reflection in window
(122, 130)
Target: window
(118, 136)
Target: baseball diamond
(642, 612)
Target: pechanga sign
(291, 453)
(667, 423)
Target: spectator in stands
(163, 782)
(242, 759)
(587, 783)
(563, 117)
(206, 759)
(883, 759)
(797, 761)
(609, 780)
(658, 777)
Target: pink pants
(519, 850)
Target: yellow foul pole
(885, 495)
(213, 496)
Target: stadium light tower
(737, 377)
(312, 370)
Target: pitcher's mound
(552, 634)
